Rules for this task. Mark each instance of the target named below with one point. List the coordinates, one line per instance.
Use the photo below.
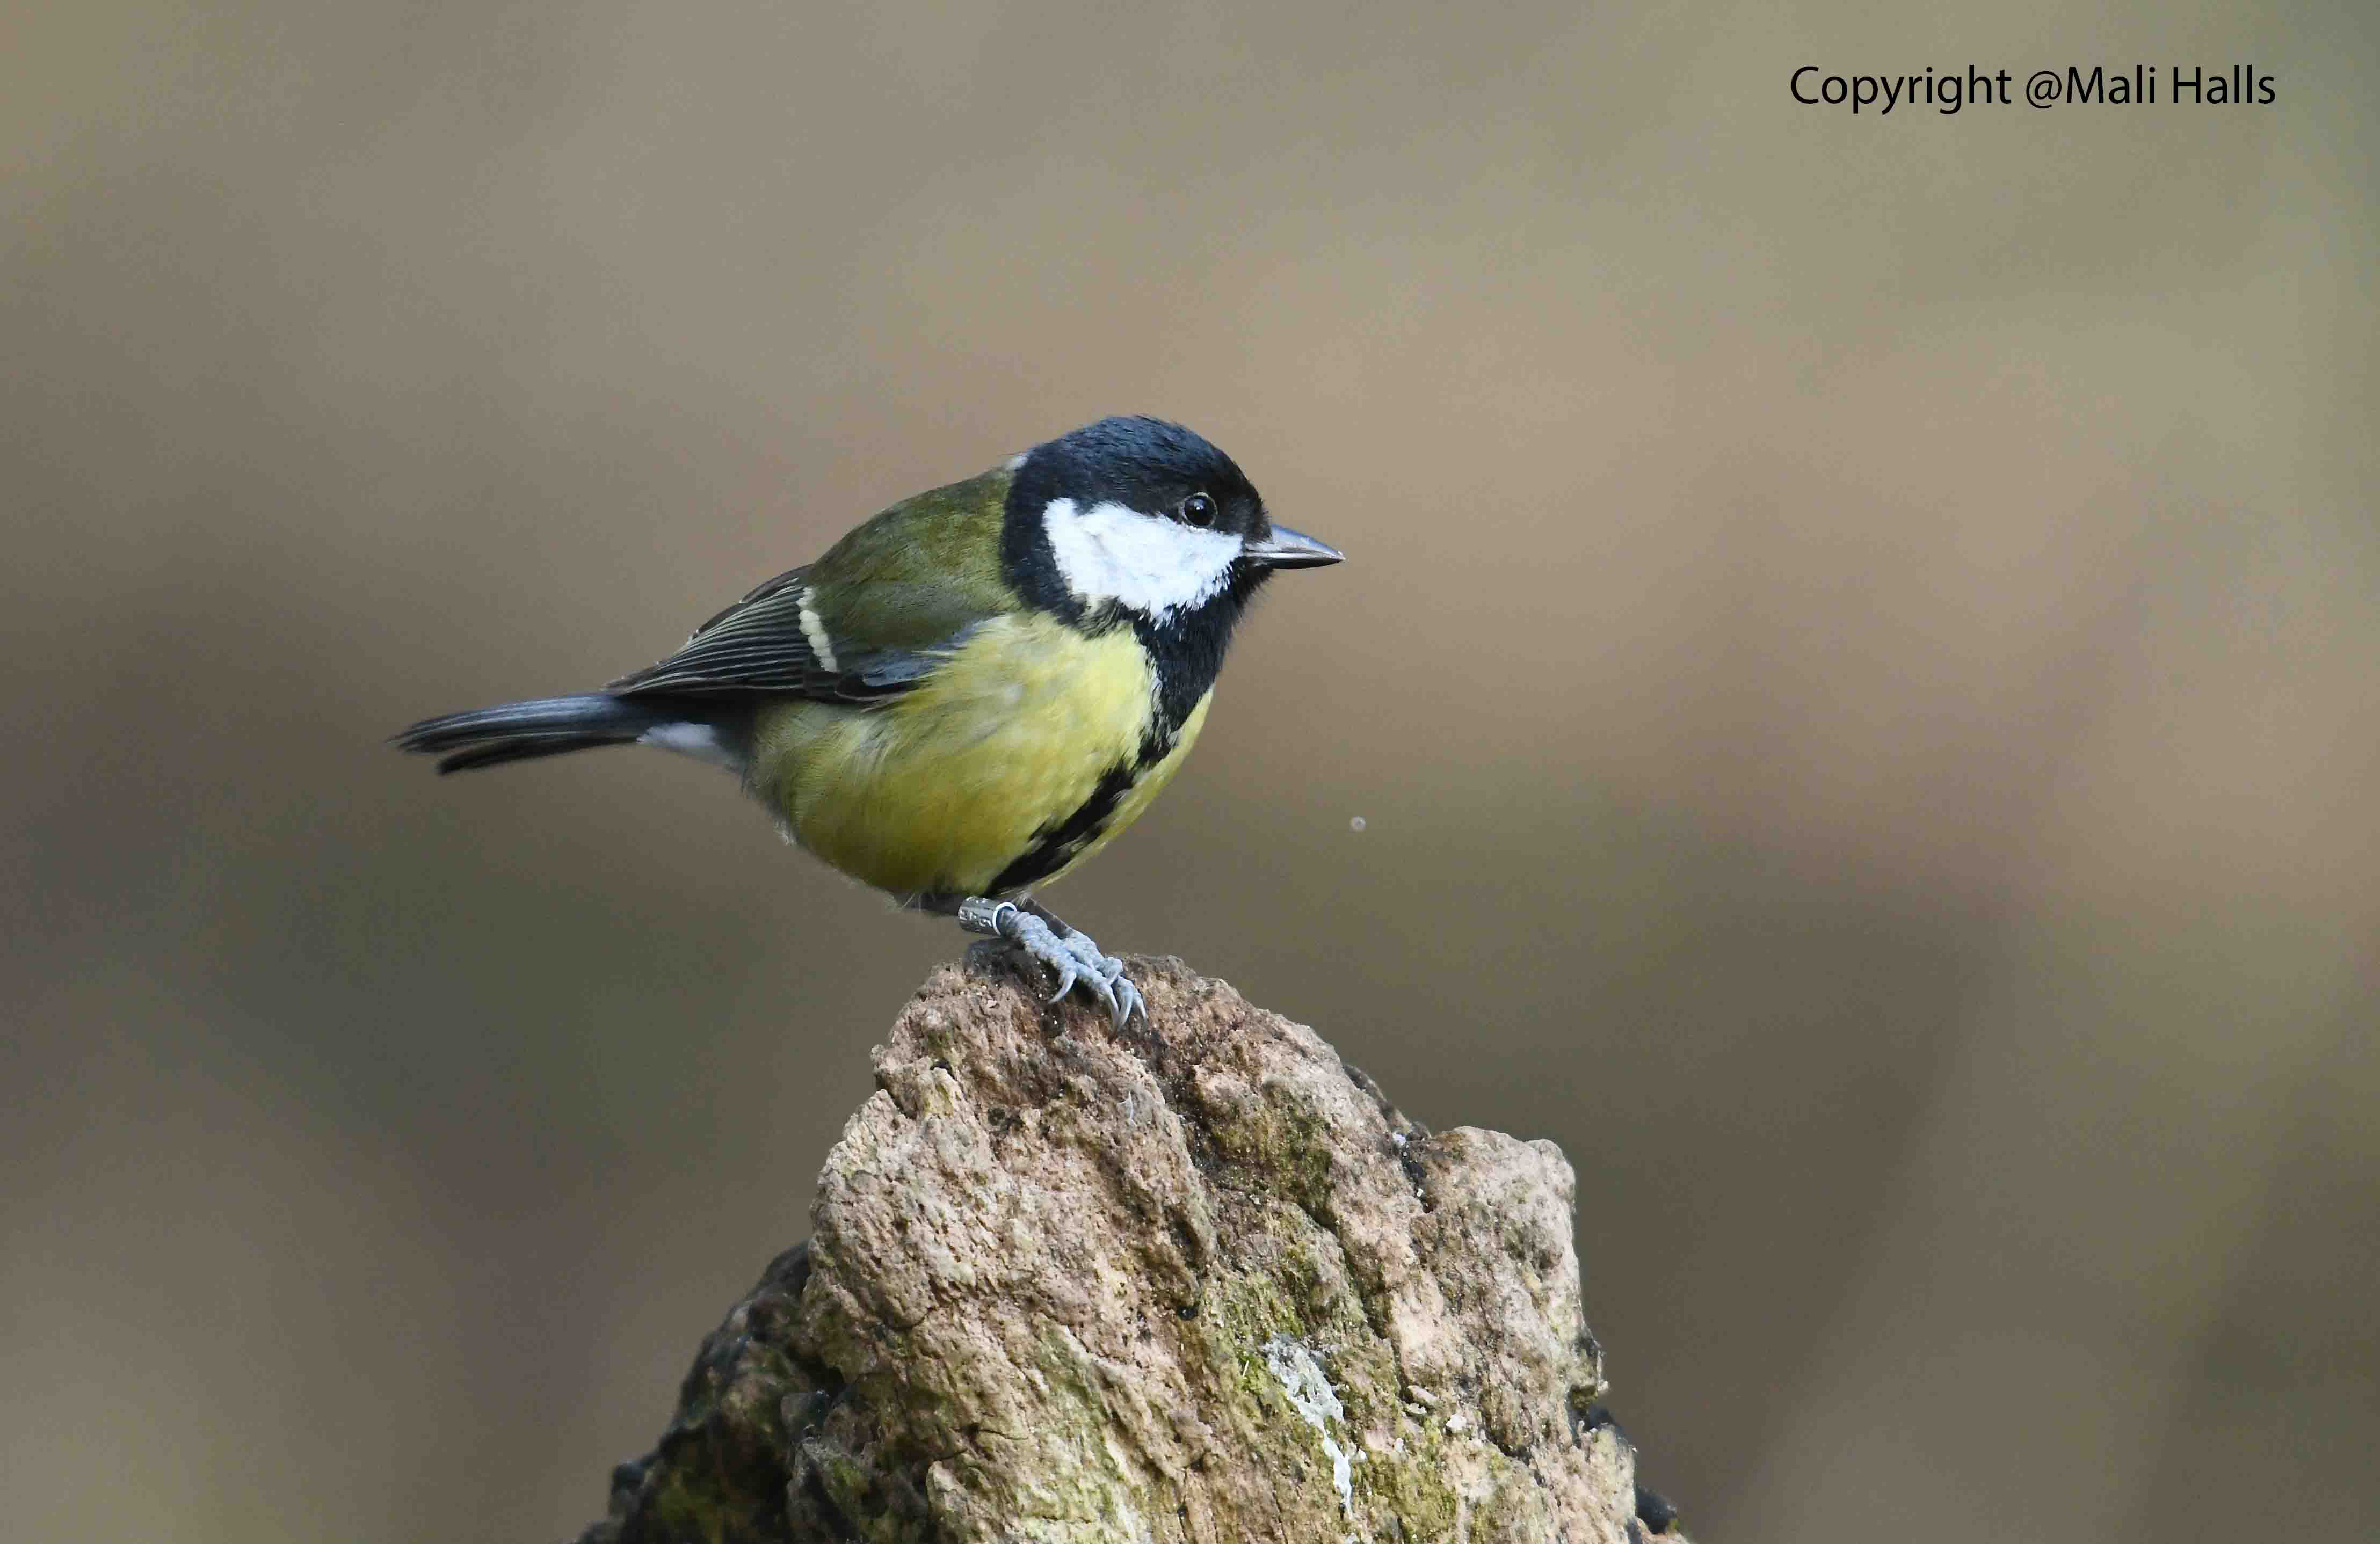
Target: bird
(969, 694)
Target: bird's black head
(1139, 523)
(1139, 520)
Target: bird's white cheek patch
(1152, 565)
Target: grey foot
(1070, 953)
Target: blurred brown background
(1857, 667)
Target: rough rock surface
(1199, 1283)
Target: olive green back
(921, 571)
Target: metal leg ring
(980, 914)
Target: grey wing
(774, 639)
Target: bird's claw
(1076, 960)
(1108, 984)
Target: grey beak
(1288, 549)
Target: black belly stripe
(1057, 842)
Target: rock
(1199, 1283)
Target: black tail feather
(524, 730)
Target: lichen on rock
(1308, 1390)
(1203, 1284)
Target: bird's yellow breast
(942, 790)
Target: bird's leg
(1039, 933)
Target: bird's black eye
(1199, 509)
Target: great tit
(971, 693)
